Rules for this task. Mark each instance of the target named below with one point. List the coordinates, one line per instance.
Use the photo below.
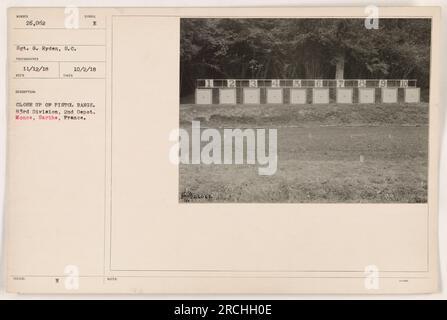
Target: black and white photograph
(294, 110)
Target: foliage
(303, 48)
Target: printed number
(253, 83)
(297, 83)
(231, 83)
(275, 83)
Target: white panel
(274, 95)
(367, 95)
(412, 95)
(320, 95)
(227, 96)
(298, 96)
(389, 95)
(251, 96)
(383, 83)
(231, 83)
(204, 96)
(344, 95)
(209, 83)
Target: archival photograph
(304, 110)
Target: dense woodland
(303, 48)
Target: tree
(303, 48)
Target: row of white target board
(300, 95)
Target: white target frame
(344, 95)
(275, 96)
(412, 95)
(389, 95)
(298, 96)
(204, 96)
(251, 96)
(367, 95)
(320, 95)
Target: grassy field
(328, 153)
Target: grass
(320, 149)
